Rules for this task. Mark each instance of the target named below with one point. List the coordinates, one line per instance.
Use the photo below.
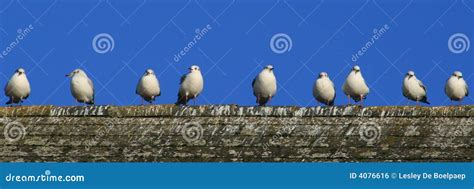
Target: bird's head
(194, 68)
(356, 69)
(457, 74)
(75, 72)
(410, 74)
(268, 68)
(149, 72)
(323, 74)
(20, 71)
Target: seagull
(148, 86)
(323, 89)
(191, 85)
(414, 89)
(354, 87)
(456, 88)
(82, 87)
(264, 85)
(18, 87)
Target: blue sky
(147, 34)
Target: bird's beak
(459, 77)
(68, 75)
(19, 73)
(409, 76)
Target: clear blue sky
(148, 34)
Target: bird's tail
(90, 102)
(425, 100)
(331, 103)
(181, 100)
(262, 101)
(357, 98)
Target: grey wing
(92, 86)
(467, 90)
(404, 92)
(8, 89)
(183, 77)
(421, 85)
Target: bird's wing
(183, 77)
(421, 85)
(92, 86)
(136, 90)
(467, 89)
(7, 89)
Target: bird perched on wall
(264, 85)
(82, 88)
(414, 89)
(18, 87)
(456, 88)
(148, 86)
(323, 89)
(354, 87)
(191, 85)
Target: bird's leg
(142, 102)
(361, 100)
(269, 99)
(258, 99)
(349, 99)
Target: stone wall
(230, 133)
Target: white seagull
(354, 87)
(148, 86)
(191, 85)
(323, 89)
(264, 85)
(456, 88)
(414, 89)
(18, 87)
(82, 87)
